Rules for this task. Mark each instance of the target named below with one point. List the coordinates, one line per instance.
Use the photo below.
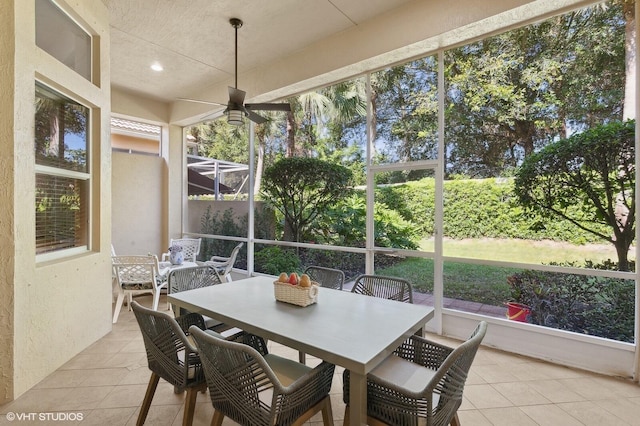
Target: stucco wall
(7, 233)
(137, 210)
(59, 307)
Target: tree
(301, 189)
(596, 167)
(514, 93)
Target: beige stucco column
(7, 234)
(49, 310)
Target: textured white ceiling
(194, 41)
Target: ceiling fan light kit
(234, 117)
(236, 108)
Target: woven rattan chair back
(437, 404)
(245, 388)
(170, 356)
(190, 247)
(451, 378)
(184, 279)
(384, 287)
(135, 275)
(326, 277)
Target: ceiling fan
(236, 108)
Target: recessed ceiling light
(156, 67)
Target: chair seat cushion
(137, 286)
(405, 374)
(287, 371)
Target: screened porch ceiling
(286, 46)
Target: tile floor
(105, 385)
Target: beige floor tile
(124, 396)
(495, 374)
(127, 360)
(520, 393)
(473, 417)
(555, 391)
(466, 404)
(160, 415)
(38, 400)
(108, 416)
(136, 376)
(104, 376)
(136, 345)
(475, 379)
(63, 379)
(106, 346)
(84, 398)
(550, 415)
(590, 414)
(202, 414)
(165, 395)
(622, 408)
(85, 361)
(485, 396)
(553, 371)
(508, 416)
(587, 387)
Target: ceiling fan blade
(201, 102)
(256, 118)
(269, 107)
(236, 96)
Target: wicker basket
(294, 294)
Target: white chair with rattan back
(136, 275)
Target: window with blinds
(62, 171)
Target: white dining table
(353, 331)
(165, 267)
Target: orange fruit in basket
(283, 278)
(305, 281)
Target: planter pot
(517, 311)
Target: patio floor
(107, 381)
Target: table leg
(357, 399)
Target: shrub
(597, 306)
(274, 260)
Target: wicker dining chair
(184, 279)
(170, 356)
(420, 383)
(190, 248)
(384, 287)
(224, 265)
(255, 389)
(326, 277)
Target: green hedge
(478, 208)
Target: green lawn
(524, 251)
(484, 283)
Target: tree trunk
(291, 135)
(622, 250)
(54, 134)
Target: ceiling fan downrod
(236, 23)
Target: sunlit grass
(484, 283)
(524, 251)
